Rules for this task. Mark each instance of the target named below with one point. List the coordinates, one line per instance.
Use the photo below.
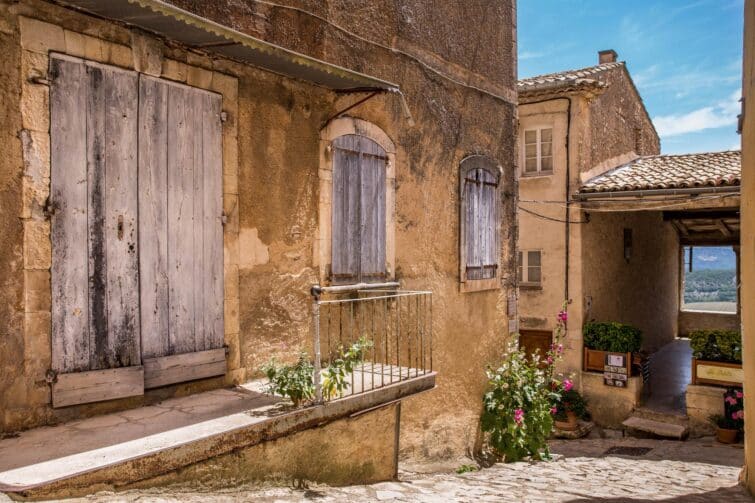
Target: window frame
(523, 264)
(539, 128)
(683, 277)
(322, 249)
(466, 165)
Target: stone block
(37, 245)
(75, 45)
(34, 64)
(231, 281)
(226, 85)
(118, 55)
(174, 70)
(36, 151)
(37, 291)
(41, 37)
(703, 402)
(35, 107)
(147, 53)
(199, 77)
(231, 212)
(608, 405)
(235, 377)
(230, 184)
(37, 336)
(230, 152)
(231, 316)
(234, 354)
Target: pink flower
(739, 394)
(731, 400)
(560, 348)
(740, 414)
(568, 385)
(553, 411)
(518, 416)
(549, 360)
(735, 415)
(562, 316)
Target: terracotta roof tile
(710, 169)
(568, 78)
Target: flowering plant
(518, 406)
(734, 409)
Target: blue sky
(685, 57)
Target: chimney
(607, 56)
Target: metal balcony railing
(387, 333)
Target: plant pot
(570, 424)
(726, 436)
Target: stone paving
(699, 470)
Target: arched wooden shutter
(480, 239)
(358, 221)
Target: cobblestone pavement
(699, 470)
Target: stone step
(655, 428)
(662, 417)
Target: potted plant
(570, 408)
(609, 337)
(727, 428)
(716, 357)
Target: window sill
(530, 286)
(480, 285)
(539, 174)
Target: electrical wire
(553, 219)
(661, 206)
(388, 48)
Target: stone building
(178, 175)
(605, 223)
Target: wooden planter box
(595, 361)
(717, 373)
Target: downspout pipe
(566, 188)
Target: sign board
(615, 370)
(718, 373)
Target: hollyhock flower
(560, 348)
(562, 316)
(739, 394)
(553, 411)
(735, 415)
(731, 400)
(518, 416)
(549, 360)
(568, 385)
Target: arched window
(358, 205)
(480, 225)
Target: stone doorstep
(151, 455)
(660, 416)
(657, 428)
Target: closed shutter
(358, 221)
(180, 210)
(95, 282)
(480, 241)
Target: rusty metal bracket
(51, 376)
(49, 208)
(372, 94)
(42, 81)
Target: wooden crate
(594, 361)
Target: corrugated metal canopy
(174, 23)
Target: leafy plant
(334, 376)
(612, 336)
(726, 423)
(517, 412)
(466, 469)
(571, 401)
(716, 345)
(294, 381)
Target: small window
(480, 240)
(538, 151)
(529, 268)
(709, 279)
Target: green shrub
(571, 401)
(294, 381)
(612, 336)
(716, 345)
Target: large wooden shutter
(358, 221)
(95, 282)
(480, 213)
(180, 210)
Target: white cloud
(530, 55)
(710, 117)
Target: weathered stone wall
(691, 320)
(619, 122)
(747, 251)
(272, 224)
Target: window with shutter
(480, 226)
(359, 210)
(530, 268)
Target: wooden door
(531, 340)
(180, 221)
(95, 282)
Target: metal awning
(194, 31)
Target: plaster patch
(252, 250)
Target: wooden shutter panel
(480, 213)
(180, 213)
(95, 314)
(372, 210)
(345, 219)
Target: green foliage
(710, 285)
(466, 469)
(297, 381)
(716, 345)
(726, 423)
(517, 415)
(612, 336)
(334, 376)
(571, 401)
(294, 381)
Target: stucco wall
(277, 130)
(747, 251)
(643, 291)
(690, 321)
